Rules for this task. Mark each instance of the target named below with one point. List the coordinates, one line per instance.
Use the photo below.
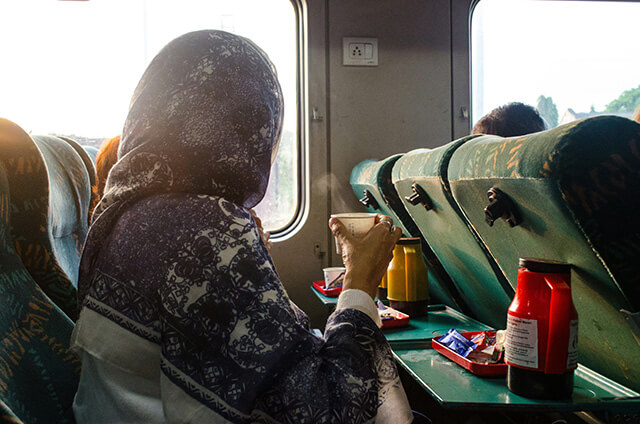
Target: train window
(70, 67)
(570, 59)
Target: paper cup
(333, 277)
(357, 223)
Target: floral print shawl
(176, 285)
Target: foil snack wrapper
(458, 343)
(486, 347)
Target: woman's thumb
(337, 228)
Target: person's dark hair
(510, 120)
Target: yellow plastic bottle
(407, 278)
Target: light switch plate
(359, 51)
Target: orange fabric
(106, 158)
(636, 114)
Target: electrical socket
(356, 50)
(359, 51)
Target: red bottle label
(521, 344)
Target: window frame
(297, 220)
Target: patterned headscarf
(205, 118)
(184, 290)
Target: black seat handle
(369, 201)
(501, 206)
(419, 196)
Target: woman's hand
(366, 258)
(264, 234)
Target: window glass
(571, 59)
(70, 67)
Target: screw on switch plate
(359, 51)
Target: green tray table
(455, 387)
(421, 330)
(329, 302)
(438, 321)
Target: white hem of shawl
(97, 335)
(395, 406)
(186, 409)
(361, 301)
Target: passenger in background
(184, 318)
(105, 159)
(511, 120)
(636, 114)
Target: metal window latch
(420, 196)
(501, 206)
(369, 201)
(633, 319)
(317, 250)
(315, 115)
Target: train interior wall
(412, 99)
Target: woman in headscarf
(183, 316)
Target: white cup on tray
(333, 277)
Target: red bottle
(542, 331)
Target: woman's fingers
(337, 228)
(256, 219)
(396, 233)
(265, 237)
(385, 225)
(383, 219)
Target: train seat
(69, 201)
(92, 152)
(576, 190)
(30, 215)
(89, 162)
(88, 158)
(420, 178)
(371, 183)
(38, 374)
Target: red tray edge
(483, 370)
(403, 321)
(335, 292)
(396, 323)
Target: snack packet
(386, 313)
(458, 343)
(490, 348)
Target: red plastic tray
(402, 320)
(483, 370)
(334, 292)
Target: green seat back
(29, 184)
(477, 277)
(371, 182)
(38, 374)
(577, 188)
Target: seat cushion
(29, 186)
(38, 374)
